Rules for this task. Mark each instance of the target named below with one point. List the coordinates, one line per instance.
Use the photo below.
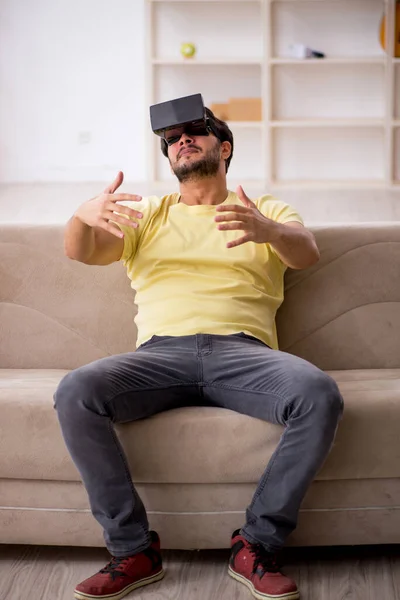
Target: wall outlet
(84, 137)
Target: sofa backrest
(343, 313)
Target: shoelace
(264, 559)
(114, 565)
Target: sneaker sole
(259, 595)
(153, 579)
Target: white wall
(72, 77)
(72, 107)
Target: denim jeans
(237, 372)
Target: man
(208, 267)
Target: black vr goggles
(171, 119)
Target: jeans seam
(200, 370)
(209, 346)
(264, 478)
(128, 478)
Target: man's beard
(194, 170)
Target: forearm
(79, 240)
(296, 246)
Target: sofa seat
(371, 420)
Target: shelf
(209, 61)
(329, 123)
(202, 1)
(324, 184)
(373, 60)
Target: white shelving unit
(331, 122)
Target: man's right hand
(99, 211)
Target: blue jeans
(237, 372)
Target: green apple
(188, 50)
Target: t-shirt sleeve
(277, 210)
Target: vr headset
(171, 119)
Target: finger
(232, 207)
(114, 229)
(124, 210)
(242, 240)
(115, 184)
(243, 197)
(235, 216)
(125, 198)
(112, 216)
(234, 225)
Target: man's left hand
(247, 218)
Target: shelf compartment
(339, 60)
(202, 1)
(192, 22)
(174, 83)
(330, 154)
(353, 27)
(305, 123)
(328, 91)
(328, 183)
(194, 62)
(396, 97)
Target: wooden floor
(355, 573)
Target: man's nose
(185, 138)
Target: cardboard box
(245, 109)
(221, 111)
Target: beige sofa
(197, 468)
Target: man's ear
(226, 150)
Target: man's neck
(211, 191)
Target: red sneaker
(122, 575)
(257, 568)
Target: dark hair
(221, 131)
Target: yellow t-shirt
(187, 281)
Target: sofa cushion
(341, 313)
(32, 447)
(344, 311)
